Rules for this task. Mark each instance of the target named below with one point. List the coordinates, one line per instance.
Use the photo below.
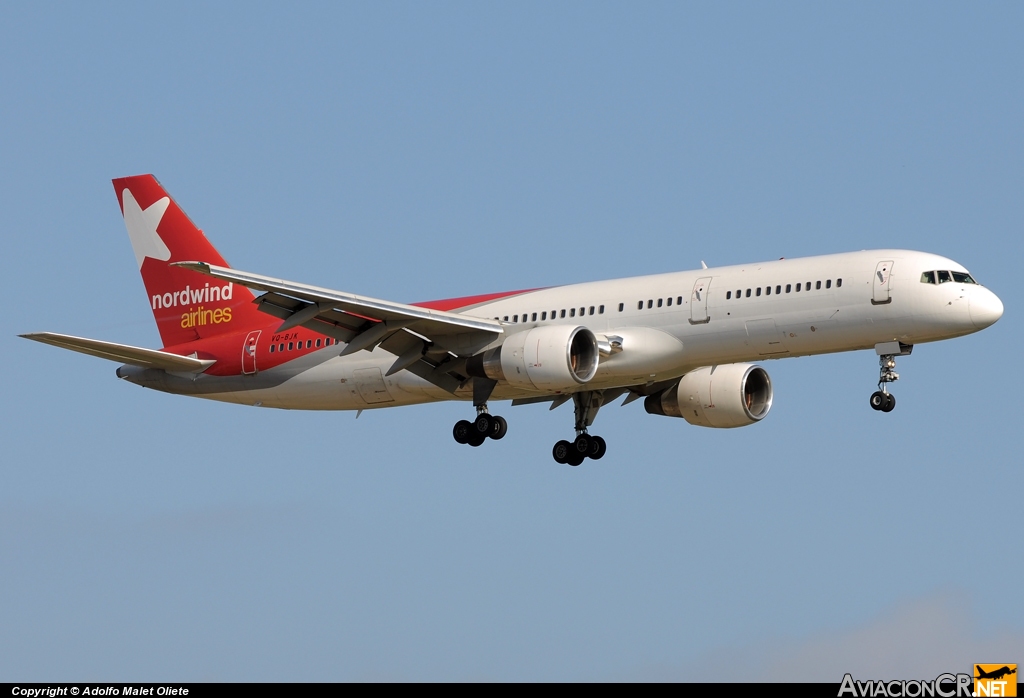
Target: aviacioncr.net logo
(995, 680)
(943, 686)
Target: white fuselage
(669, 324)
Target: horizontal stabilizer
(136, 356)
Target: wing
(136, 356)
(429, 343)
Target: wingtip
(201, 267)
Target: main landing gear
(585, 445)
(485, 426)
(882, 400)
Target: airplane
(996, 674)
(684, 342)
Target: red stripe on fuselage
(466, 301)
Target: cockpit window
(959, 277)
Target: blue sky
(418, 151)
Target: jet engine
(553, 358)
(725, 396)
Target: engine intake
(557, 357)
(722, 397)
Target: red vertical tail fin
(187, 305)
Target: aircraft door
(249, 351)
(699, 301)
(880, 284)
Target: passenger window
(515, 318)
(778, 289)
(739, 293)
(659, 302)
(798, 288)
(506, 318)
(767, 290)
(544, 315)
(962, 278)
(789, 287)
(728, 295)
(828, 284)
(679, 300)
(591, 310)
(600, 310)
(807, 286)
(572, 312)
(640, 305)
(944, 277)
(748, 293)
(758, 291)
(563, 312)
(318, 341)
(290, 345)
(271, 348)
(621, 306)
(668, 302)
(650, 303)
(817, 285)
(534, 318)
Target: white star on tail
(142, 226)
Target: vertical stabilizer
(186, 305)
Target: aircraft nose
(985, 308)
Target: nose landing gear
(882, 400)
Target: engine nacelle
(552, 358)
(725, 396)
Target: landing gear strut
(585, 445)
(485, 425)
(882, 400)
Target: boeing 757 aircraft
(681, 341)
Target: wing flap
(136, 356)
(460, 334)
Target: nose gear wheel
(882, 400)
